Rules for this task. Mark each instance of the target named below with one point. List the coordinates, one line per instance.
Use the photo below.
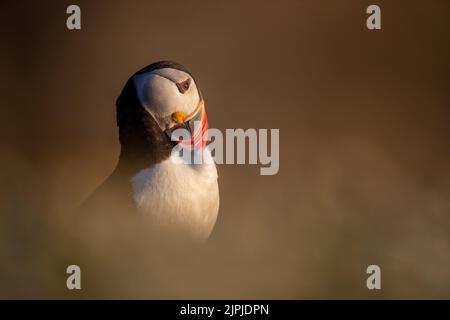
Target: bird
(152, 185)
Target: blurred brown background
(364, 153)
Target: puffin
(153, 184)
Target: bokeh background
(364, 142)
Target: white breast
(178, 194)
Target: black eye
(184, 85)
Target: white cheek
(190, 99)
(161, 96)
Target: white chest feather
(180, 195)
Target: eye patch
(184, 85)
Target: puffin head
(157, 100)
